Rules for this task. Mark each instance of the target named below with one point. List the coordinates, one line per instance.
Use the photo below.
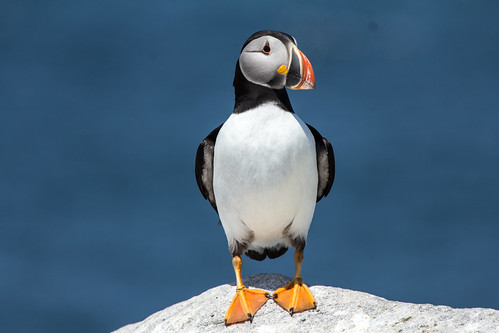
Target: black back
(204, 167)
(325, 163)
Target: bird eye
(266, 48)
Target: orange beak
(301, 74)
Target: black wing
(325, 163)
(204, 166)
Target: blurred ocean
(103, 104)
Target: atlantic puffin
(264, 169)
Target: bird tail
(271, 252)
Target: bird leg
(247, 301)
(295, 296)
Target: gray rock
(338, 310)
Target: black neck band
(249, 95)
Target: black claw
(250, 317)
(274, 296)
(268, 296)
(315, 305)
(291, 311)
(225, 321)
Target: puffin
(263, 170)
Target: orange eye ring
(266, 48)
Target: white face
(260, 60)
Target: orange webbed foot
(245, 304)
(295, 297)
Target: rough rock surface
(338, 310)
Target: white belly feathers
(265, 175)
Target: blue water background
(103, 104)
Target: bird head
(272, 59)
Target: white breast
(265, 175)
